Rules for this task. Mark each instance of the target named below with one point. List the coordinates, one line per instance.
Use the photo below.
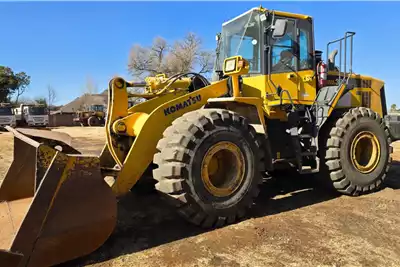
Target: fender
(251, 108)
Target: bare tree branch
(158, 49)
(51, 96)
(91, 86)
(23, 81)
(205, 61)
(89, 89)
(186, 55)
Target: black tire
(346, 178)
(180, 157)
(93, 121)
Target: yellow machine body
(366, 92)
(92, 116)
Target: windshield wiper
(217, 53)
(244, 32)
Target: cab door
(291, 61)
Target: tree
(41, 101)
(25, 100)
(90, 89)
(91, 86)
(12, 84)
(51, 95)
(182, 56)
(23, 82)
(393, 108)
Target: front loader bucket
(54, 204)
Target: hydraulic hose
(172, 79)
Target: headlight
(236, 65)
(230, 65)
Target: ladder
(304, 134)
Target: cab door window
(282, 54)
(305, 50)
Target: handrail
(342, 40)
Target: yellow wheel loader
(274, 102)
(93, 116)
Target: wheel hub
(222, 169)
(365, 152)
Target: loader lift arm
(132, 134)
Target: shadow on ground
(145, 221)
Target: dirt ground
(295, 223)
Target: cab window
(305, 58)
(248, 47)
(242, 37)
(282, 56)
(294, 51)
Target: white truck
(31, 115)
(7, 116)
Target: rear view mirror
(279, 28)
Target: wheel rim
(222, 169)
(365, 152)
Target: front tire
(358, 152)
(209, 164)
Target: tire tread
(175, 150)
(332, 158)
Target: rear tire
(358, 152)
(93, 121)
(185, 174)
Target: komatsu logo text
(191, 101)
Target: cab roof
(279, 13)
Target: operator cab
(96, 108)
(6, 111)
(35, 110)
(7, 116)
(279, 48)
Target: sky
(63, 43)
